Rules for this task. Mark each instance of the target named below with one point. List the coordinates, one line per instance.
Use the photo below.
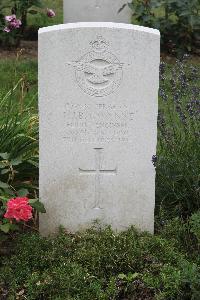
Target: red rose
(19, 209)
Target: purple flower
(12, 23)
(50, 13)
(15, 23)
(193, 108)
(10, 18)
(6, 29)
(154, 160)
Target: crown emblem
(100, 44)
(98, 72)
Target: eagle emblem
(99, 72)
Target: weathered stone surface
(96, 11)
(98, 86)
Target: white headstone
(98, 85)
(96, 11)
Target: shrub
(184, 234)
(177, 20)
(98, 264)
(195, 226)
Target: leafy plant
(177, 20)
(19, 9)
(22, 213)
(195, 225)
(11, 39)
(18, 151)
(25, 7)
(18, 140)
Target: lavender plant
(178, 162)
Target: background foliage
(32, 13)
(177, 20)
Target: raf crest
(99, 72)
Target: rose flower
(19, 209)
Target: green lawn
(12, 70)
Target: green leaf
(133, 276)
(4, 155)
(5, 227)
(9, 192)
(14, 227)
(122, 276)
(4, 200)
(32, 162)
(32, 12)
(5, 171)
(32, 201)
(37, 205)
(22, 193)
(2, 165)
(16, 161)
(3, 185)
(129, 277)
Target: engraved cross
(98, 171)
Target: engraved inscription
(98, 171)
(99, 72)
(97, 123)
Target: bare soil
(27, 49)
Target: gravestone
(98, 86)
(96, 11)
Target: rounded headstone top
(96, 11)
(98, 25)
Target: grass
(18, 127)
(11, 70)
